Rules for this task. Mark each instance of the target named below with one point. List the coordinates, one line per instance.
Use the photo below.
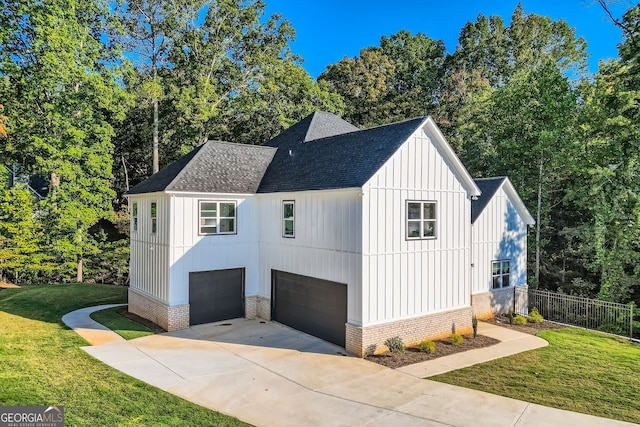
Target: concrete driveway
(270, 375)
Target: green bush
(456, 339)
(474, 324)
(519, 320)
(535, 316)
(427, 346)
(395, 344)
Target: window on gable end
(421, 220)
(288, 218)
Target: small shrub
(519, 320)
(395, 344)
(535, 316)
(474, 323)
(456, 339)
(427, 346)
(510, 316)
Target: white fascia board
(200, 194)
(450, 155)
(328, 190)
(517, 202)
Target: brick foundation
(171, 318)
(264, 308)
(498, 301)
(361, 341)
(251, 307)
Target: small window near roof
(500, 273)
(134, 216)
(288, 218)
(217, 217)
(421, 220)
(154, 217)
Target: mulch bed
(529, 328)
(444, 347)
(122, 311)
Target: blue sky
(329, 30)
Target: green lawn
(581, 371)
(41, 363)
(126, 328)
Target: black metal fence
(587, 313)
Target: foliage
(519, 320)
(395, 344)
(63, 100)
(42, 361)
(456, 339)
(474, 324)
(534, 316)
(555, 375)
(427, 346)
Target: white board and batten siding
(499, 233)
(191, 251)
(408, 278)
(150, 251)
(327, 243)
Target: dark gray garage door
(315, 306)
(216, 295)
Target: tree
(395, 81)
(62, 100)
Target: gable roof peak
(324, 125)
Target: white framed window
(288, 218)
(154, 217)
(500, 273)
(217, 217)
(421, 219)
(134, 216)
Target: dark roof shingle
(214, 167)
(488, 187)
(341, 161)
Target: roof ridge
(397, 123)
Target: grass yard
(126, 328)
(581, 371)
(41, 363)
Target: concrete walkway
(268, 374)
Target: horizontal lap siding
(408, 278)
(327, 242)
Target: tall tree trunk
(126, 173)
(156, 163)
(538, 225)
(79, 272)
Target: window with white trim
(217, 217)
(288, 218)
(154, 217)
(500, 272)
(421, 219)
(134, 216)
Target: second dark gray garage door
(315, 306)
(216, 295)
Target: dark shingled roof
(488, 187)
(345, 160)
(315, 126)
(214, 167)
